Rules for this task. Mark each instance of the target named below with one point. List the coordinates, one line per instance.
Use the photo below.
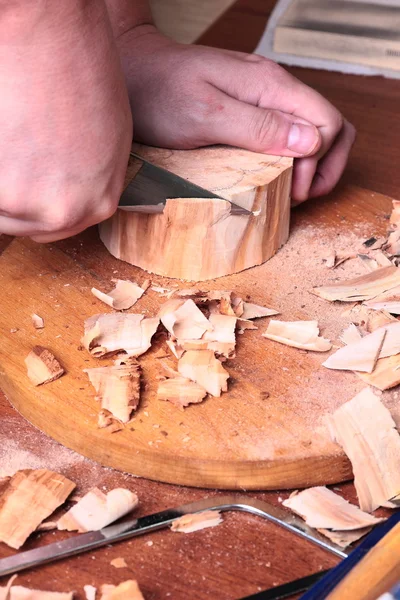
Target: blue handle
(327, 584)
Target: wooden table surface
(242, 555)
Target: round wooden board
(267, 432)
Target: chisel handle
(375, 574)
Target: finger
(265, 84)
(261, 130)
(331, 167)
(304, 170)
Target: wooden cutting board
(267, 432)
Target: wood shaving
(118, 563)
(90, 592)
(97, 510)
(42, 366)
(29, 498)
(196, 522)
(203, 368)
(18, 592)
(323, 509)
(386, 374)
(37, 321)
(107, 420)
(350, 335)
(128, 590)
(361, 355)
(364, 287)
(186, 322)
(367, 433)
(47, 526)
(119, 332)
(253, 311)
(389, 301)
(117, 389)
(367, 318)
(123, 296)
(181, 391)
(298, 334)
(345, 538)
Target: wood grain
(241, 440)
(200, 239)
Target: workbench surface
(242, 555)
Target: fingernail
(303, 139)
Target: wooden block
(198, 239)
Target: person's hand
(190, 96)
(66, 125)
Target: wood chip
(118, 563)
(389, 301)
(323, 509)
(345, 538)
(253, 311)
(392, 245)
(128, 590)
(361, 355)
(18, 592)
(367, 433)
(97, 510)
(361, 288)
(90, 592)
(123, 296)
(119, 332)
(351, 335)
(298, 334)
(107, 420)
(117, 388)
(37, 321)
(181, 391)
(196, 522)
(186, 322)
(386, 374)
(203, 368)
(29, 498)
(367, 318)
(42, 366)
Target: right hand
(66, 125)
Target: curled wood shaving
(361, 355)
(29, 498)
(197, 521)
(299, 334)
(123, 296)
(119, 332)
(345, 538)
(128, 590)
(323, 509)
(181, 391)
(367, 433)
(117, 389)
(42, 366)
(361, 288)
(97, 510)
(18, 592)
(118, 563)
(90, 592)
(202, 367)
(37, 321)
(186, 322)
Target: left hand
(191, 96)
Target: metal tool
(134, 527)
(288, 589)
(152, 186)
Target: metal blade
(134, 527)
(152, 186)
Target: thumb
(263, 130)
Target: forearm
(128, 14)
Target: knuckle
(265, 129)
